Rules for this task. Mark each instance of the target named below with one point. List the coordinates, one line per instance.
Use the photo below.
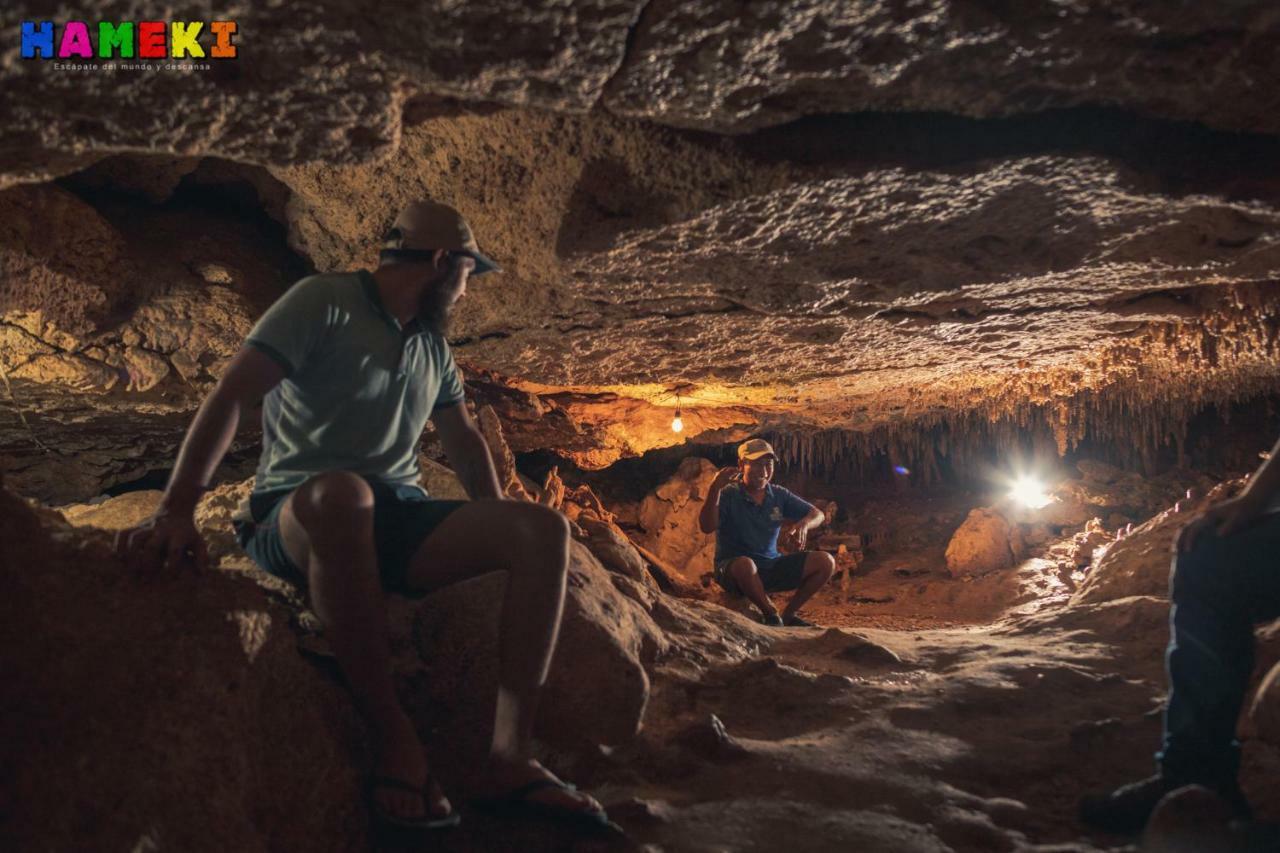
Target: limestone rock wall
(331, 80)
(668, 517)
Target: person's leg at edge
(819, 566)
(1219, 590)
(534, 552)
(327, 528)
(744, 573)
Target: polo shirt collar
(768, 494)
(370, 286)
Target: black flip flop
(517, 802)
(386, 823)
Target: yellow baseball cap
(424, 226)
(756, 448)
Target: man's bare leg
(743, 570)
(531, 544)
(818, 568)
(327, 527)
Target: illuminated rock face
(984, 543)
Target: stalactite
(1136, 397)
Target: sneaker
(794, 621)
(1125, 810)
(773, 620)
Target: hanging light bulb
(677, 424)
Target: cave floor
(913, 732)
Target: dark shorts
(780, 573)
(402, 517)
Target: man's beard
(436, 310)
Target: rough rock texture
(152, 689)
(898, 288)
(877, 740)
(717, 65)
(1055, 292)
(983, 543)
(225, 667)
(668, 518)
(333, 80)
(1138, 564)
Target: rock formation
(984, 543)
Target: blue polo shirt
(748, 529)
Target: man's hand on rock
(166, 541)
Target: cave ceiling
(829, 215)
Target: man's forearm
(813, 520)
(206, 442)
(709, 517)
(474, 467)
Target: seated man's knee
(536, 528)
(821, 563)
(742, 569)
(332, 497)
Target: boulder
(982, 544)
(1192, 819)
(1070, 512)
(614, 551)
(183, 696)
(669, 520)
(154, 688)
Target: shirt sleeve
(451, 391)
(794, 507)
(292, 329)
(723, 518)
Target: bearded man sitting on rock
(748, 513)
(349, 367)
(1225, 581)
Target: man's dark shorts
(402, 518)
(781, 573)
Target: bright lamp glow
(1029, 492)
(677, 424)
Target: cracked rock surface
(327, 81)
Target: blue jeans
(1220, 590)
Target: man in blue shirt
(748, 514)
(349, 368)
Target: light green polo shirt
(359, 387)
